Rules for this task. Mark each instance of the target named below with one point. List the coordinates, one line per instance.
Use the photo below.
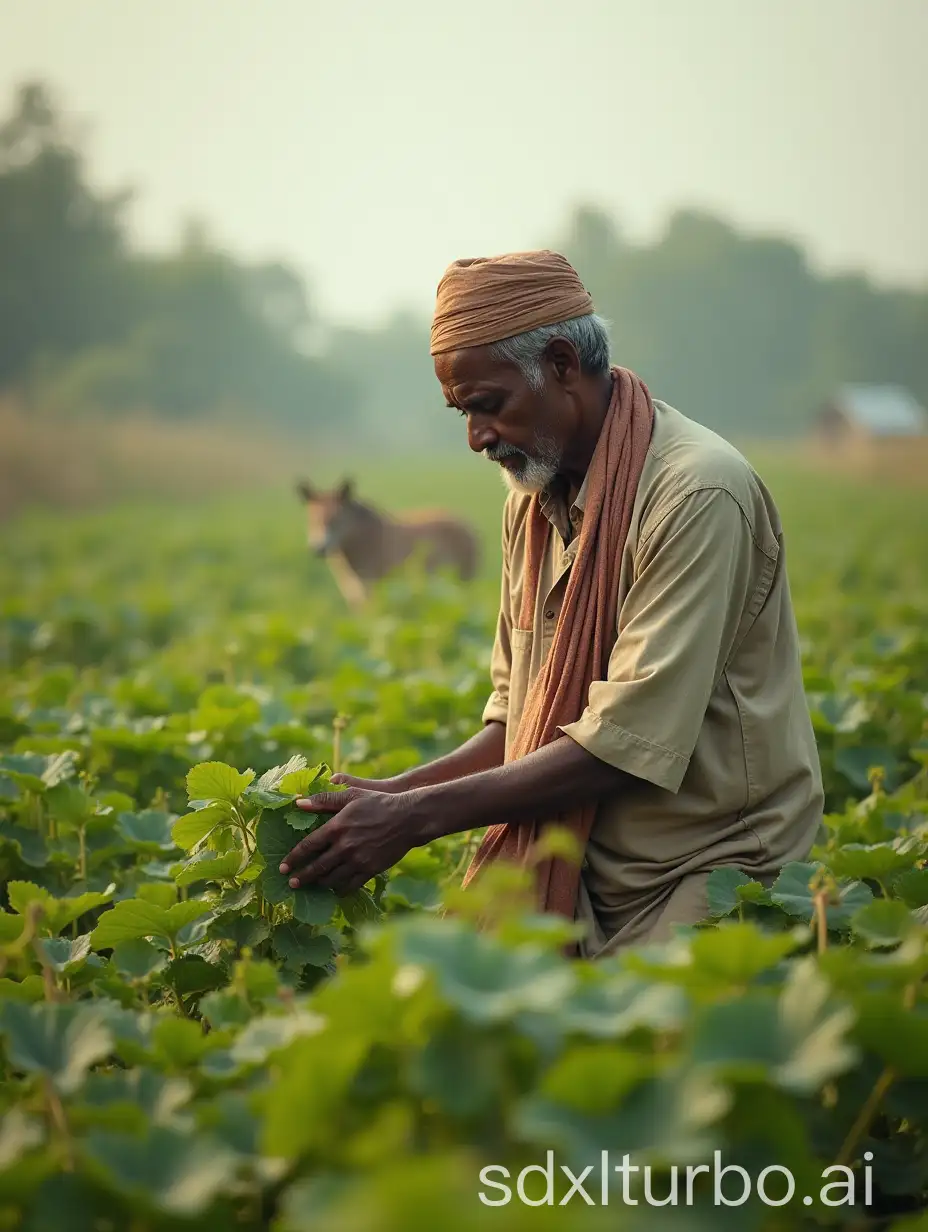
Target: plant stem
(59, 1121)
(81, 834)
(339, 723)
(865, 1117)
(821, 920)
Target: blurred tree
(736, 330)
(65, 282)
(95, 326)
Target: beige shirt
(703, 702)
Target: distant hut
(878, 429)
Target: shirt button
(549, 614)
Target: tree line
(739, 331)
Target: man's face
(522, 429)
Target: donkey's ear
(346, 489)
(305, 490)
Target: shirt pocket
(521, 643)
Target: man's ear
(305, 490)
(345, 490)
(563, 357)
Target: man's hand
(372, 831)
(391, 786)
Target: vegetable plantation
(186, 1042)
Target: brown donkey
(363, 544)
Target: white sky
(370, 143)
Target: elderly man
(647, 687)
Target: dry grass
(73, 463)
(897, 461)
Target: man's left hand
(371, 832)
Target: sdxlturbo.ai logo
(727, 1185)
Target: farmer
(647, 688)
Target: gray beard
(534, 472)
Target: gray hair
(589, 334)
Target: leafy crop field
(186, 1043)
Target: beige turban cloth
(485, 299)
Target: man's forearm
(556, 778)
(483, 751)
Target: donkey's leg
(351, 586)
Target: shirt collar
(553, 503)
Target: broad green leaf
(181, 1042)
(29, 990)
(671, 1117)
(23, 894)
(214, 780)
(306, 822)
(57, 913)
(358, 908)
(133, 918)
(463, 1071)
(412, 892)
(897, 1034)
(484, 980)
(210, 866)
(35, 772)
(19, 1134)
(791, 892)
(232, 900)
(884, 922)
(255, 799)
(193, 828)
(857, 762)
(191, 974)
(225, 1009)
(738, 952)
(11, 927)
(276, 839)
(161, 895)
(313, 905)
(306, 782)
(912, 887)
(182, 914)
(242, 930)
(69, 803)
(165, 1170)
(593, 1078)
(149, 830)
(313, 1079)
(142, 1097)
(64, 954)
(58, 1040)
(877, 860)
(797, 1042)
(270, 1033)
(29, 843)
(25, 769)
(258, 977)
(721, 890)
(298, 947)
(138, 959)
(271, 779)
(610, 1009)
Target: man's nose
(480, 435)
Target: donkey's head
(331, 517)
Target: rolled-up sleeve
(497, 707)
(698, 576)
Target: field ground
(215, 1051)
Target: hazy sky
(371, 143)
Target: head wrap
(485, 299)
